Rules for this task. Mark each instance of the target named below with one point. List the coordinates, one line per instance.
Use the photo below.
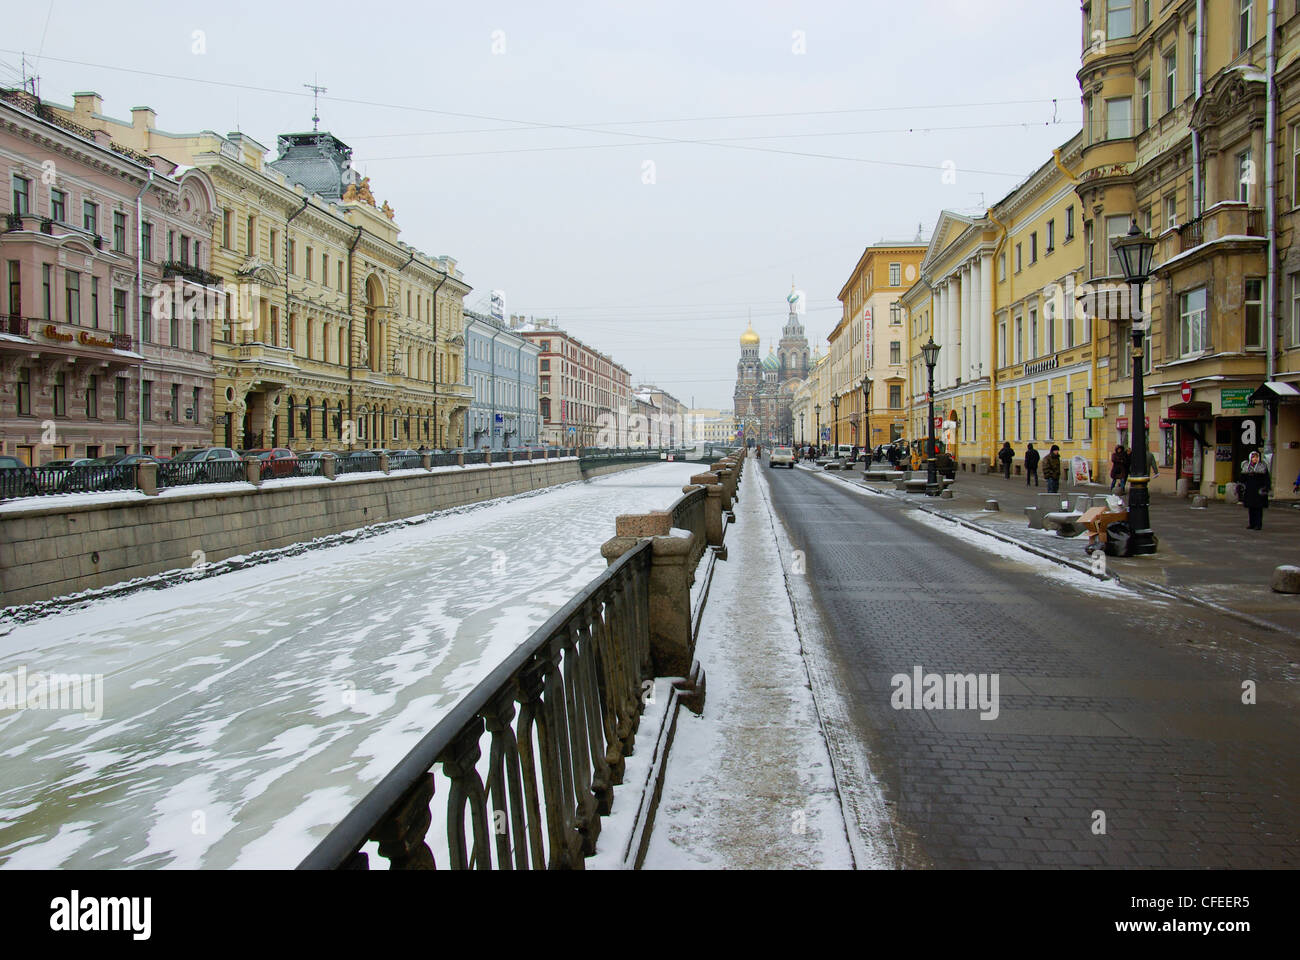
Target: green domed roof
(770, 362)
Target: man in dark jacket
(1031, 465)
(1006, 455)
(1254, 476)
(1052, 469)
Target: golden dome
(749, 338)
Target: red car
(276, 462)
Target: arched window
(306, 418)
(293, 419)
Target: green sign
(1094, 413)
(1235, 399)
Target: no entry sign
(1186, 392)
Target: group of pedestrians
(1034, 461)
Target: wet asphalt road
(1121, 738)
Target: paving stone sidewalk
(1205, 554)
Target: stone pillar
(714, 528)
(426, 461)
(963, 352)
(253, 471)
(328, 467)
(510, 456)
(460, 459)
(146, 478)
(976, 320)
(986, 314)
(487, 456)
(383, 462)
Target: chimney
(86, 104)
(143, 118)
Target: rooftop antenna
(920, 229)
(316, 91)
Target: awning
(1274, 391)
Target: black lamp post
(835, 402)
(930, 351)
(818, 410)
(1135, 252)
(867, 443)
(803, 437)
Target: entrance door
(1189, 456)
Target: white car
(781, 456)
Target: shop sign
(51, 332)
(1235, 399)
(1094, 413)
(88, 339)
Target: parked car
(204, 465)
(310, 463)
(781, 457)
(276, 462)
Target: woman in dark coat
(1119, 468)
(1006, 455)
(1254, 476)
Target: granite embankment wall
(54, 550)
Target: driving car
(781, 457)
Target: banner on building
(498, 308)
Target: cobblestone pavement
(1112, 702)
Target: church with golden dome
(765, 387)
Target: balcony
(175, 268)
(1227, 221)
(272, 366)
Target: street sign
(1094, 413)
(501, 417)
(1235, 399)
(1186, 391)
(1121, 423)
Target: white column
(936, 326)
(941, 325)
(976, 318)
(954, 330)
(986, 314)
(966, 334)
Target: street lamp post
(930, 351)
(835, 402)
(1135, 252)
(803, 438)
(818, 410)
(867, 443)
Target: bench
(1065, 523)
(884, 475)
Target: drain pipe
(1197, 200)
(351, 316)
(139, 310)
(1270, 228)
(433, 363)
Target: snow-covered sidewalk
(749, 784)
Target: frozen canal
(245, 714)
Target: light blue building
(501, 369)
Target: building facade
(766, 387)
(106, 347)
(332, 334)
(1193, 130)
(582, 392)
(501, 367)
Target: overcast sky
(652, 249)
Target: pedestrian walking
(1006, 455)
(1119, 468)
(1254, 476)
(1052, 469)
(1031, 464)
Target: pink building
(80, 374)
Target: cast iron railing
(173, 473)
(536, 799)
(357, 463)
(404, 461)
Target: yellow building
(870, 343)
(334, 333)
(811, 408)
(1182, 134)
(918, 315)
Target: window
(324, 269)
(291, 258)
(1019, 419)
(1253, 310)
(307, 262)
(119, 232)
(1089, 242)
(15, 288)
(340, 272)
(119, 311)
(1171, 211)
(1089, 120)
(1033, 418)
(23, 393)
(196, 332)
(72, 296)
(895, 351)
(1051, 235)
(146, 241)
(250, 235)
(1116, 228)
(545, 365)
(1033, 334)
(1171, 78)
(1033, 247)
(1002, 343)
(1119, 118)
(92, 397)
(119, 398)
(1069, 223)
(1019, 258)
(176, 402)
(1245, 175)
(1119, 19)
(1002, 267)
(1245, 11)
(1051, 415)
(895, 274)
(173, 329)
(1020, 337)
(226, 217)
(22, 195)
(1049, 322)
(895, 314)
(94, 302)
(171, 245)
(185, 249)
(90, 217)
(1192, 331)
(146, 399)
(1069, 416)
(1144, 101)
(58, 206)
(61, 394)
(895, 396)
(1294, 338)
(47, 280)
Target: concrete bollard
(146, 478)
(328, 467)
(1286, 579)
(1184, 487)
(487, 456)
(1048, 502)
(946, 495)
(1200, 503)
(1035, 518)
(460, 459)
(992, 505)
(253, 471)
